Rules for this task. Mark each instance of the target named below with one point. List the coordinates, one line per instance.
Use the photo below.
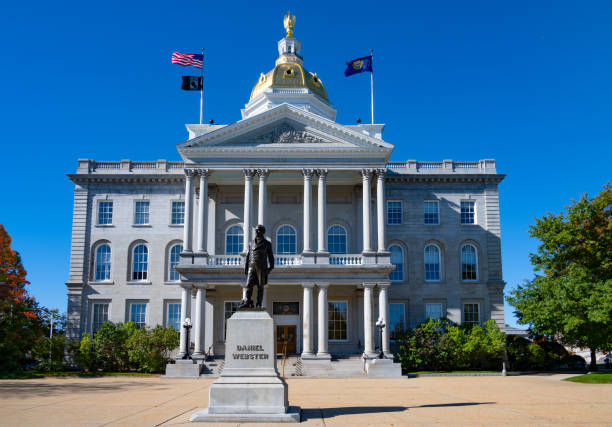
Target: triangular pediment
(285, 127)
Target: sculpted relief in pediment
(286, 134)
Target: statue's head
(260, 230)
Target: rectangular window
(467, 212)
(141, 212)
(338, 320)
(105, 212)
(99, 316)
(138, 314)
(471, 314)
(178, 213)
(230, 308)
(394, 212)
(433, 310)
(397, 320)
(174, 316)
(431, 212)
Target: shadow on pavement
(316, 413)
(20, 388)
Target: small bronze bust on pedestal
(257, 265)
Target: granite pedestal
(384, 368)
(249, 389)
(184, 368)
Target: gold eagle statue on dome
(289, 22)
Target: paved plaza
(524, 400)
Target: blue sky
(524, 82)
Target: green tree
(572, 299)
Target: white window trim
(131, 280)
(129, 310)
(348, 324)
(276, 236)
(98, 213)
(475, 213)
(148, 224)
(167, 311)
(225, 235)
(169, 266)
(461, 263)
(91, 312)
(463, 312)
(170, 216)
(95, 264)
(401, 202)
(441, 263)
(436, 201)
(403, 263)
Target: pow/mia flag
(192, 83)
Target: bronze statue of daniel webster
(258, 264)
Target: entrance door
(285, 334)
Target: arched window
(336, 239)
(469, 263)
(234, 240)
(173, 260)
(286, 240)
(103, 263)
(397, 259)
(432, 263)
(140, 262)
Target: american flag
(187, 59)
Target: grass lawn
(36, 374)
(594, 378)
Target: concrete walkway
(525, 400)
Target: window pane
(178, 213)
(103, 263)
(397, 259)
(469, 266)
(337, 320)
(234, 240)
(105, 213)
(394, 212)
(174, 316)
(397, 320)
(433, 310)
(100, 316)
(467, 212)
(336, 240)
(141, 213)
(140, 263)
(138, 314)
(173, 260)
(432, 263)
(286, 240)
(471, 314)
(431, 212)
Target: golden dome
(289, 72)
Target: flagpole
(202, 92)
(372, 84)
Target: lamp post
(187, 325)
(380, 324)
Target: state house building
(356, 237)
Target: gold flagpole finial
(289, 23)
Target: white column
(383, 313)
(263, 183)
(322, 211)
(248, 197)
(307, 332)
(202, 212)
(367, 214)
(199, 324)
(307, 208)
(185, 313)
(380, 209)
(368, 323)
(322, 352)
(187, 228)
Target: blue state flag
(359, 65)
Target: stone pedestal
(249, 388)
(384, 368)
(184, 368)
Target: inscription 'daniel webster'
(246, 352)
